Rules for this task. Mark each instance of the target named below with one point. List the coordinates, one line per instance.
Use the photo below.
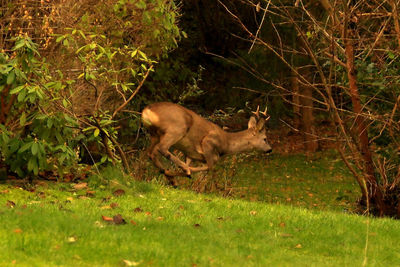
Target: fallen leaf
(41, 194)
(107, 207)
(298, 246)
(160, 218)
(18, 231)
(138, 210)
(107, 219)
(10, 204)
(70, 199)
(90, 193)
(282, 224)
(119, 192)
(114, 205)
(148, 213)
(253, 212)
(4, 191)
(80, 186)
(71, 239)
(117, 219)
(196, 225)
(133, 222)
(131, 263)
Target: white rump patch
(150, 118)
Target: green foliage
(35, 135)
(115, 54)
(157, 17)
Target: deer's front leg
(210, 153)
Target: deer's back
(164, 117)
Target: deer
(172, 126)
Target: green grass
(320, 182)
(56, 225)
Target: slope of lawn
(317, 182)
(56, 224)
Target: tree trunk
(307, 116)
(361, 130)
(295, 100)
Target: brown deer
(173, 126)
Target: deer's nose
(268, 151)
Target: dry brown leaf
(80, 186)
(114, 205)
(107, 219)
(117, 219)
(90, 193)
(10, 204)
(119, 192)
(138, 210)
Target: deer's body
(173, 126)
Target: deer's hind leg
(153, 153)
(167, 140)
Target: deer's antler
(264, 113)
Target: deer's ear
(252, 123)
(260, 124)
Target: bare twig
(134, 92)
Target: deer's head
(257, 127)
(258, 139)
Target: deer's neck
(237, 142)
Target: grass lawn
(320, 182)
(58, 224)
